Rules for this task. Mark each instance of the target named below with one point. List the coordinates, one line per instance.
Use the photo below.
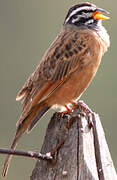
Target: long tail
(29, 122)
(37, 117)
(9, 157)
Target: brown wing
(61, 59)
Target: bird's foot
(84, 106)
(88, 110)
(74, 104)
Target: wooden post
(84, 154)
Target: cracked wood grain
(84, 154)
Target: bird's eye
(89, 14)
(75, 17)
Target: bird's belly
(73, 87)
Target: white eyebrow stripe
(79, 9)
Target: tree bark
(84, 154)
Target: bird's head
(85, 15)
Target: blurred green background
(27, 28)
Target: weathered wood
(84, 154)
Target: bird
(66, 69)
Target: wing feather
(61, 59)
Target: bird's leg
(74, 105)
(68, 110)
(81, 103)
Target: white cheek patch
(89, 22)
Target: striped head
(85, 15)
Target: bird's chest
(77, 83)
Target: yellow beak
(98, 15)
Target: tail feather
(28, 122)
(36, 119)
(9, 157)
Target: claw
(84, 106)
